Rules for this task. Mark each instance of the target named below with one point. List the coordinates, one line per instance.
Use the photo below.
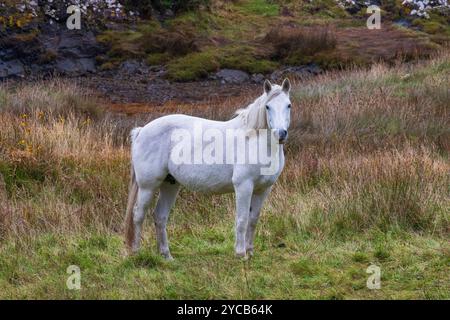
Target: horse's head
(278, 109)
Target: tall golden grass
(368, 149)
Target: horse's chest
(265, 181)
(270, 175)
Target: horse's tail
(132, 195)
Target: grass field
(366, 182)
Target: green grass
(199, 65)
(326, 10)
(193, 66)
(204, 268)
(257, 7)
(245, 58)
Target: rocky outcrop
(48, 49)
(12, 68)
(75, 51)
(44, 49)
(232, 76)
(298, 72)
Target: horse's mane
(254, 116)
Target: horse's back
(182, 121)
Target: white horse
(153, 167)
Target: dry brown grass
(360, 46)
(334, 47)
(289, 41)
(58, 97)
(56, 172)
(176, 42)
(55, 154)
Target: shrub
(294, 42)
(193, 66)
(245, 59)
(157, 58)
(173, 42)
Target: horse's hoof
(134, 248)
(241, 255)
(133, 251)
(250, 253)
(168, 257)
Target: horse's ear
(267, 86)
(286, 85)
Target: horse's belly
(204, 178)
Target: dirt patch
(141, 94)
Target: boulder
(87, 64)
(133, 66)
(67, 66)
(296, 72)
(12, 68)
(73, 67)
(232, 76)
(258, 78)
(403, 23)
(54, 49)
(7, 54)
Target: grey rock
(67, 66)
(74, 53)
(296, 72)
(133, 67)
(354, 8)
(258, 78)
(7, 54)
(358, 5)
(88, 64)
(74, 67)
(76, 45)
(168, 14)
(11, 68)
(232, 76)
(403, 23)
(69, 40)
(54, 50)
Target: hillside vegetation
(366, 182)
(259, 36)
(191, 40)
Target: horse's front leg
(244, 193)
(255, 209)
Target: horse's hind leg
(144, 197)
(167, 195)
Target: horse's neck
(235, 123)
(238, 122)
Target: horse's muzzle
(282, 136)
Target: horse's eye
(289, 106)
(267, 108)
